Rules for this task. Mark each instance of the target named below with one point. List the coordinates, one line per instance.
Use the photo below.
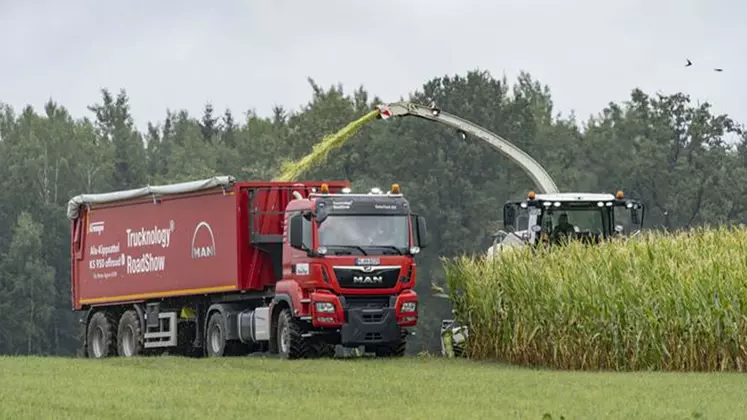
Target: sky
(243, 55)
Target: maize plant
(673, 302)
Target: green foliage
(656, 302)
(665, 151)
(26, 289)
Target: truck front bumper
(365, 326)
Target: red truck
(222, 267)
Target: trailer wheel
(129, 335)
(290, 341)
(216, 335)
(102, 335)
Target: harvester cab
(550, 219)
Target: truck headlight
(409, 307)
(324, 307)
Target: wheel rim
(284, 339)
(128, 341)
(98, 342)
(215, 339)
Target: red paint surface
(109, 268)
(232, 263)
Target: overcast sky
(255, 54)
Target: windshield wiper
(349, 246)
(399, 252)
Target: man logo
(368, 279)
(203, 241)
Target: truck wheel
(216, 335)
(324, 350)
(396, 349)
(291, 343)
(102, 335)
(129, 335)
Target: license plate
(367, 261)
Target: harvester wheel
(290, 341)
(129, 335)
(102, 335)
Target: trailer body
(165, 267)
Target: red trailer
(222, 267)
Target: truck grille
(366, 302)
(356, 278)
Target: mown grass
(675, 302)
(411, 388)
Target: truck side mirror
(422, 233)
(634, 216)
(296, 231)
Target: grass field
(411, 388)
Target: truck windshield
(365, 231)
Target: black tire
(102, 335)
(215, 335)
(216, 344)
(130, 335)
(396, 349)
(459, 351)
(290, 341)
(323, 350)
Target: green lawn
(411, 388)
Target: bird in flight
(718, 69)
(689, 63)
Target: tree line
(685, 162)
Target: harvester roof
(572, 196)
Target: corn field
(676, 302)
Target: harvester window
(522, 221)
(580, 220)
(622, 218)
